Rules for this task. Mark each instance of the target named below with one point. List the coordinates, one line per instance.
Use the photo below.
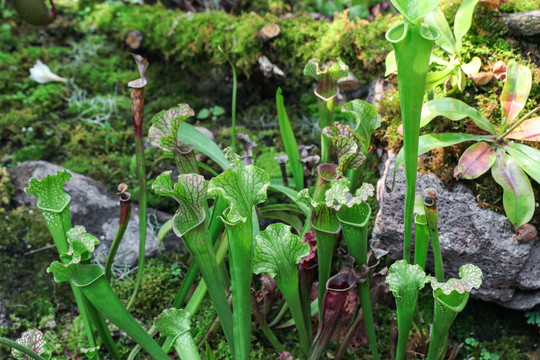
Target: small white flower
(42, 74)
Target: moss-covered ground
(85, 125)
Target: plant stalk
(137, 103)
(125, 212)
(21, 348)
(431, 211)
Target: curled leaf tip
(191, 193)
(339, 194)
(49, 191)
(327, 76)
(241, 186)
(165, 125)
(349, 147)
(81, 245)
(471, 278)
(142, 64)
(278, 251)
(403, 276)
(310, 260)
(173, 322)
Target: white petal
(42, 74)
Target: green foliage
(510, 162)
(212, 113)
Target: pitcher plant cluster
(321, 229)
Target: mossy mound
(191, 40)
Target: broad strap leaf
(403, 277)
(471, 278)
(528, 130)
(437, 19)
(278, 251)
(173, 322)
(366, 119)
(515, 91)
(349, 147)
(289, 142)
(527, 158)
(188, 134)
(50, 191)
(518, 195)
(463, 21)
(191, 193)
(241, 186)
(165, 125)
(415, 9)
(454, 109)
(433, 141)
(475, 161)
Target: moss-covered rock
(192, 40)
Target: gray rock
(96, 208)
(468, 234)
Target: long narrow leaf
(413, 10)
(291, 194)
(437, 19)
(463, 21)
(289, 219)
(190, 135)
(433, 141)
(454, 109)
(289, 141)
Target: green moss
(519, 5)
(267, 162)
(6, 188)
(157, 289)
(360, 43)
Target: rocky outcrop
(96, 208)
(468, 234)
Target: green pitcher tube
(354, 224)
(326, 227)
(412, 43)
(446, 309)
(102, 296)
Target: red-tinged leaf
(518, 196)
(527, 158)
(516, 91)
(475, 161)
(528, 130)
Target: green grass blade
(289, 141)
